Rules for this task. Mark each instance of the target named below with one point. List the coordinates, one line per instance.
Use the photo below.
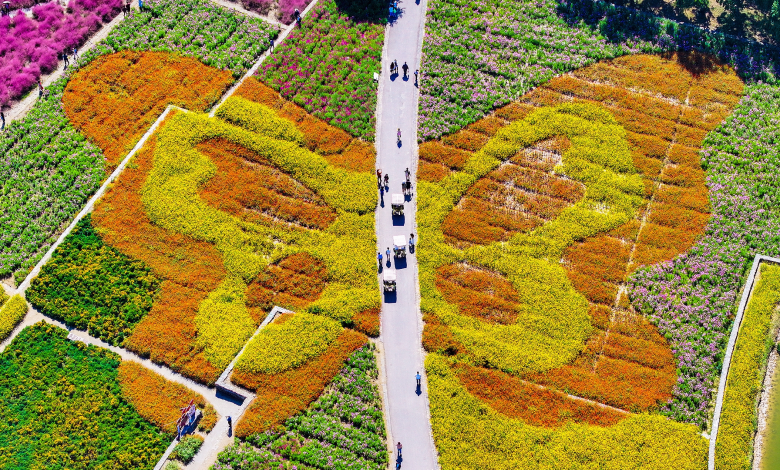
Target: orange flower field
(159, 400)
(115, 99)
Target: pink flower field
(30, 47)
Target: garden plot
(49, 164)
(106, 411)
(535, 216)
(254, 217)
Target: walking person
(140, 5)
(127, 7)
(392, 68)
(408, 176)
(230, 426)
(406, 70)
(400, 448)
(387, 181)
(415, 76)
(65, 58)
(40, 89)
(411, 244)
(75, 53)
(387, 252)
(378, 177)
(399, 135)
(418, 377)
(2, 116)
(379, 258)
(272, 45)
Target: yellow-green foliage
(553, 320)
(3, 297)
(734, 447)
(471, 435)
(223, 322)
(258, 118)
(278, 348)
(347, 247)
(11, 313)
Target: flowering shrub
(158, 399)
(282, 395)
(285, 346)
(734, 447)
(344, 428)
(11, 313)
(30, 47)
(93, 287)
(534, 291)
(48, 172)
(189, 270)
(327, 68)
(692, 298)
(460, 420)
(61, 403)
(117, 97)
(187, 448)
(471, 64)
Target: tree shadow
(371, 11)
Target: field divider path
(239, 8)
(282, 36)
(407, 408)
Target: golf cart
(398, 204)
(399, 246)
(389, 280)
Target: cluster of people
(405, 68)
(6, 8)
(126, 8)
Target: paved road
(408, 414)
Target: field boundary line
(22, 288)
(724, 373)
(223, 382)
(252, 70)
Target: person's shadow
(418, 390)
(399, 143)
(381, 199)
(406, 78)
(398, 462)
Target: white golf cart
(388, 280)
(399, 246)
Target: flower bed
(639, 118)
(282, 395)
(327, 68)
(461, 421)
(626, 363)
(117, 97)
(734, 447)
(216, 36)
(471, 64)
(289, 342)
(50, 165)
(31, 47)
(93, 287)
(62, 405)
(159, 400)
(220, 275)
(692, 298)
(12, 312)
(344, 428)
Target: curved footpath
(407, 412)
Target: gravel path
(408, 414)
